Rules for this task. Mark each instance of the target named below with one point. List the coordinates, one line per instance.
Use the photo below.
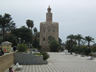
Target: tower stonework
(48, 28)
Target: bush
(93, 49)
(83, 50)
(87, 51)
(45, 55)
(54, 46)
(22, 47)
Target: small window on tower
(48, 30)
(43, 39)
(44, 30)
(53, 30)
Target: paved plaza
(59, 62)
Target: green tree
(89, 39)
(35, 43)
(6, 22)
(93, 49)
(22, 47)
(35, 31)
(29, 23)
(11, 38)
(70, 44)
(53, 44)
(78, 38)
(23, 33)
(71, 37)
(36, 35)
(60, 41)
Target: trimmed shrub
(83, 50)
(93, 49)
(54, 46)
(22, 47)
(45, 55)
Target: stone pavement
(59, 62)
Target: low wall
(6, 61)
(28, 59)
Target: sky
(73, 16)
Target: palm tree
(5, 20)
(89, 39)
(72, 40)
(78, 38)
(29, 23)
(71, 37)
(35, 30)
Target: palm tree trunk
(3, 33)
(89, 44)
(79, 43)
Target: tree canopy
(23, 33)
(30, 23)
(6, 23)
(53, 44)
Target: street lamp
(19, 40)
(23, 41)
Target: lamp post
(19, 40)
(23, 41)
(31, 46)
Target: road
(59, 62)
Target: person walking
(11, 70)
(1, 52)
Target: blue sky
(74, 16)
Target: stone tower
(48, 28)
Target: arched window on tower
(48, 30)
(43, 38)
(53, 30)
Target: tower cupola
(49, 15)
(49, 9)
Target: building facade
(47, 29)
